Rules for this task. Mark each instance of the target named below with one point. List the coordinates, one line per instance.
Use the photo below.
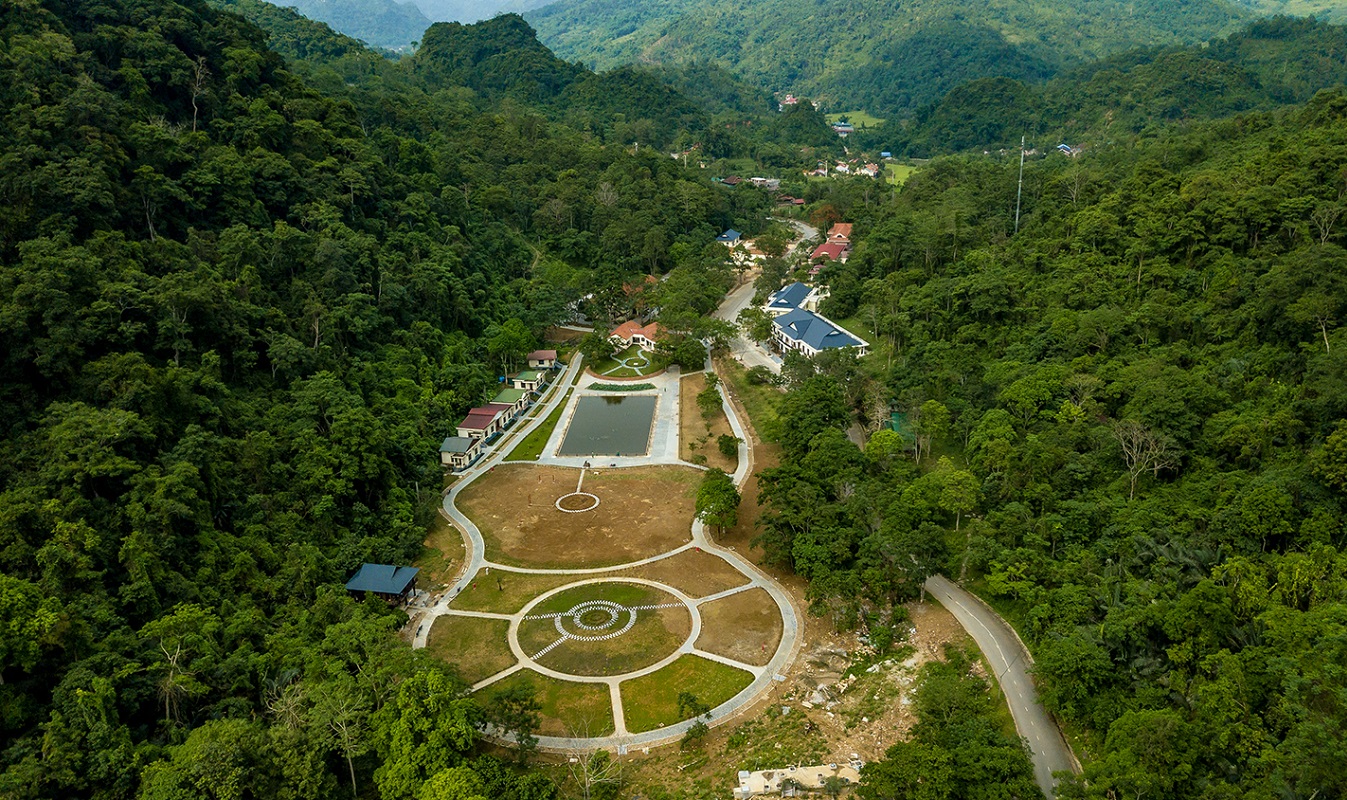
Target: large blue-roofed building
(385, 580)
(788, 298)
(811, 334)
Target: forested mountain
(1331, 10)
(474, 10)
(382, 23)
(1268, 64)
(1129, 428)
(886, 57)
(236, 317)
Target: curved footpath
(621, 740)
(1010, 660)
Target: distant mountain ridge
(886, 56)
(382, 23)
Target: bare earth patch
(698, 436)
(745, 627)
(478, 647)
(644, 511)
(693, 572)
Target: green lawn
(654, 635)
(899, 173)
(634, 352)
(532, 445)
(505, 592)
(857, 118)
(568, 708)
(478, 647)
(652, 700)
(621, 387)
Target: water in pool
(610, 426)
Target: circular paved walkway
(622, 739)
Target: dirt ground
(556, 335)
(642, 512)
(478, 647)
(697, 436)
(744, 626)
(692, 572)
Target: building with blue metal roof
(787, 298)
(810, 334)
(391, 583)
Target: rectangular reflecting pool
(610, 426)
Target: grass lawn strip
(692, 572)
(699, 437)
(442, 555)
(478, 647)
(620, 387)
(745, 627)
(568, 708)
(655, 634)
(504, 592)
(532, 445)
(651, 701)
(761, 402)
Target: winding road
(1010, 660)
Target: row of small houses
(484, 424)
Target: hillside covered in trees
(1266, 65)
(1125, 425)
(236, 317)
(886, 58)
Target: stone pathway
(664, 450)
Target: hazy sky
(472, 10)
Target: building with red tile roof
(632, 332)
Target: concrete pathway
(664, 450)
(1010, 660)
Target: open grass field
(897, 174)
(651, 637)
(531, 447)
(643, 512)
(856, 118)
(442, 554)
(478, 647)
(651, 701)
(745, 627)
(568, 709)
(693, 572)
(698, 436)
(504, 592)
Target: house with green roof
(530, 380)
(516, 399)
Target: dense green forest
(885, 57)
(237, 315)
(1268, 64)
(1125, 424)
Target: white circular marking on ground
(612, 613)
(595, 498)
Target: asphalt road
(1011, 662)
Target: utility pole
(1019, 190)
